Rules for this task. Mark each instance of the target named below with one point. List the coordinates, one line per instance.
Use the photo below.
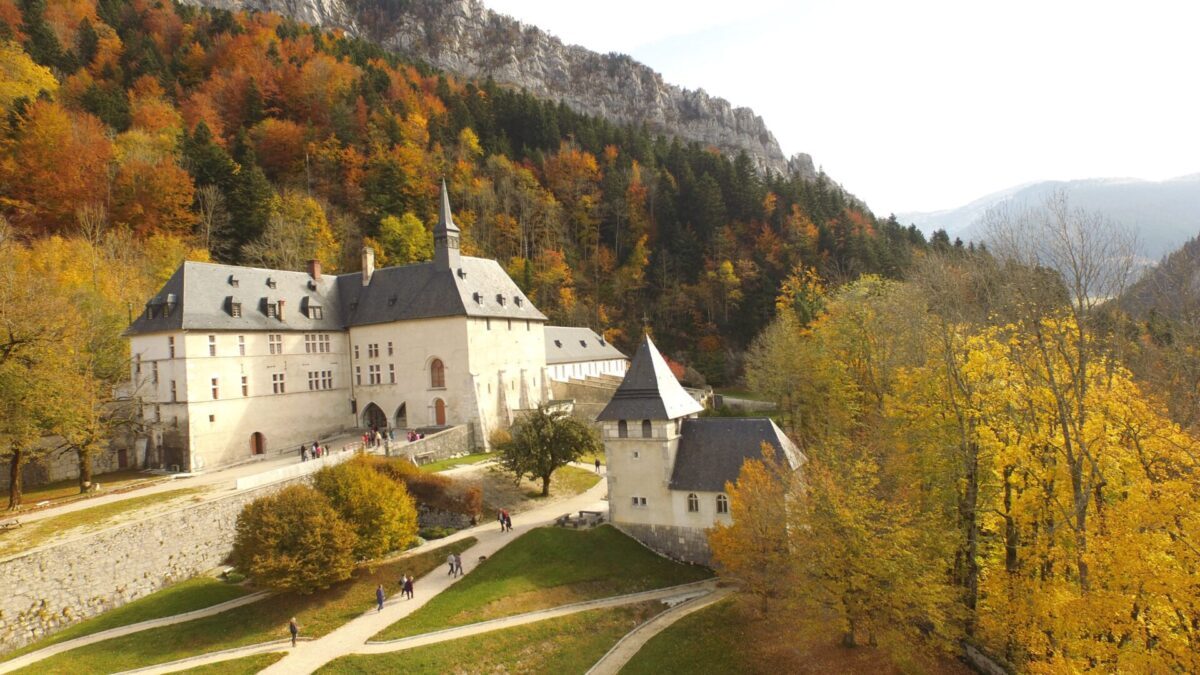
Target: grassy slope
(570, 480)
(434, 467)
(547, 567)
(37, 532)
(247, 665)
(182, 597)
(65, 489)
(569, 644)
(728, 637)
(317, 614)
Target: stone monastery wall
(51, 588)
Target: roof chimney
(314, 269)
(368, 264)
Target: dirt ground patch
(501, 491)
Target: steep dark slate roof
(712, 449)
(202, 294)
(565, 344)
(478, 288)
(199, 296)
(649, 391)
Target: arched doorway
(373, 417)
(258, 443)
(439, 412)
(402, 416)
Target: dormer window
(519, 300)
(170, 304)
(558, 343)
(500, 299)
(272, 309)
(583, 343)
(462, 274)
(316, 312)
(271, 283)
(233, 281)
(478, 298)
(235, 309)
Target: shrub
(430, 489)
(380, 511)
(294, 541)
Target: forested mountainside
(266, 142)
(466, 38)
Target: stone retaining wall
(53, 587)
(431, 517)
(686, 544)
(434, 447)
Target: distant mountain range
(1165, 214)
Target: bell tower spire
(445, 236)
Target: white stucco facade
(563, 372)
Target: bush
(430, 489)
(294, 541)
(380, 511)
(436, 532)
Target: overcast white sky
(928, 104)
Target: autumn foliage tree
(378, 509)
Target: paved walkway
(34, 657)
(616, 658)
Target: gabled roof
(477, 287)
(712, 450)
(565, 344)
(649, 391)
(201, 296)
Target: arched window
(647, 431)
(622, 429)
(437, 374)
(693, 503)
(722, 504)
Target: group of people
(455, 562)
(374, 438)
(505, 521)
(317, 451)
(406, 590)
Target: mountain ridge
(466, 38)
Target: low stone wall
(50, 588)
(434, 447)
(686, 544)
(431, 517)
(293, 471)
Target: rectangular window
(527, 322)
(510, 324)
(241, 345)
(170, 348)
(324, 339)
(245, 386)
(315, 312)
(154, 371)
(272, 310)
(391, 373)
(314, 380)
(488, 322)
(373, 374)
(357, 374)
(157, 413)
(355, 352)
(214, 389)
(275, 343)
(389, 348)
(639, 502)
(212, 345)
(235, 310)
(137, 364)
(373, 351)
(174, 395)
(310, 343)
(327, 379)
(277, 384)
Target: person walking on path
(458, 565)
(597, 465)
(294, 630)
(379, 596)
(507, 522)
(303, 452)
(450, 561)
(408, 587)
(500, 517)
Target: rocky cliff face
(464, 37)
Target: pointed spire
(649, 390)
(445, 236)
(445, 220)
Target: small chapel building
(668, 468)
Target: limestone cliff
(464, 37)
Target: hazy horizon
(929, 105)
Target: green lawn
(247, 665)
(569, 481)
(317, 614)
(37, 532)
(590, 458)
(710, 640)
(183, 597)
(64, 489)
(547, 567)
(570, 644)
(434, 467)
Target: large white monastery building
(668, 468)
(232, 362)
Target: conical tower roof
(649, 391)
(445, 220)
